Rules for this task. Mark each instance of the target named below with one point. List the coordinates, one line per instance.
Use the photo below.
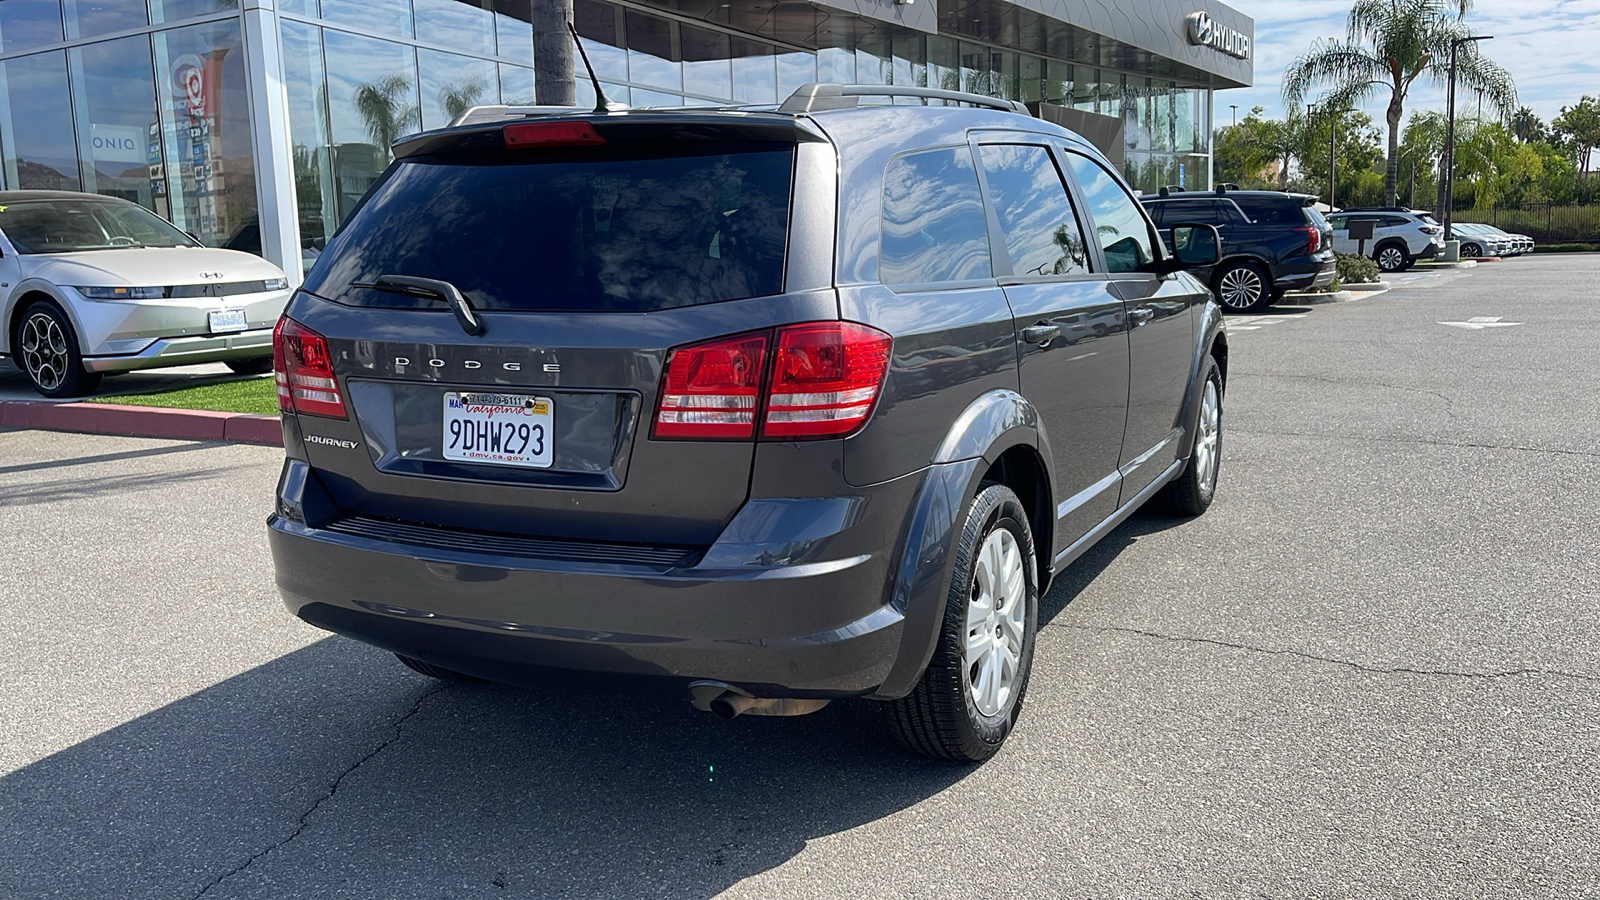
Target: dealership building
(259, 124)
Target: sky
(1550, 47)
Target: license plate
(225, 320)
(499, 429)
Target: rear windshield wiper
(412, 286)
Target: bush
(1355, 269)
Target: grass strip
(248, 395)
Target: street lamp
(1333, 130)
(1235, 108)
(1450, 137)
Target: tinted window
(1339, 223)
(580, 230)
(1041, 232)
(1392, 221)
(1314, 216)
(1271, 210)
(1124, 234)
(63, 226)
(933, 223)
(1178, 212)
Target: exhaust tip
(723, 709)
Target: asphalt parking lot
(1372, 669)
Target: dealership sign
(117, 143)
(1208, 32)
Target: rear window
(621, 229)
(1271, 210)
(1314, 216)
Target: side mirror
(1193, 247)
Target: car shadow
(332, 769)
(1071, 581)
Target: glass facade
(161, 114)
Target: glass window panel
(754, 72)
(794, 69)
(1028, 197)
(87, 18)
(381, 16)
(706, 68)
(298, 7)
(1111, 93)
(36, 127)
(910, 60)
(597, 25)
(1058, 87)
(944, 64)
(210, 163)
(836, 64)
(517, 86)
(175, 10)
(658, 99)
(1085, 91)
(1030, 78)
(934, 227)
(310, 146)
(372, 99)
(513, 22)
(873, 64)
(651, 59)
(1007, 80)
(464, 26)
(1121, 226)
(29, 23)
(618, 92)
(453, 84)
(115, 104)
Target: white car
(95, 284)
(1400, 236)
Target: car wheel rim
(1390, 259)
(44, 351)
(997, 613)
(1240, 288)
(1209, 440)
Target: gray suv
(773, 406)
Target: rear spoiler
(630, 127)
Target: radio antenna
(601, 104)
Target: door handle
(1141, 315)
(1043, 333)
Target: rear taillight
(825, 378)
(711, 390)
(550, 134)
(1431, 229)
(819, 380)
(1313, 237)
(306, 383)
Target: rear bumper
(803, 613)
(1305, 272)
(1428, 251)
(188, 351)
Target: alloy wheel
(1207, 441)
(1391, 259)
(997, 616)
(44, 351)
(1240, 288)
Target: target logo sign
(189, 82)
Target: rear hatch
(585, 251)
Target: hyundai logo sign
(1208, 32)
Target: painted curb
(142, 421)
(1366, 286)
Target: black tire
(1242, 287)
(1191, 493)
(1473, 250)
(940, 717)
(261, 365)
(1392, 257)
(54, 364)
(439, 672)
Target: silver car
(94, 284)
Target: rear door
(1071, 327)
(586, 264)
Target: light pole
(1235, 108)
(1450, 137)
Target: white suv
(1400, 236)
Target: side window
(1202, 212)
(1122, 230)
(933, 223)
(1156, 211)
(1392, 221)
(1041, 231)
(1339, 223)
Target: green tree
(1526, 126)
(1421, 149)
(1580, 125)
(1242, 152)
(1355, 143)
(1390, 45)
(384, 110)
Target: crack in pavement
(1371, 670)
(333, 788)
(1383, 440)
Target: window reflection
(754, 73)
(517, 86)
(650, 57)
(383, 16)
(308, 136)
(597, 25)
(25, 24)
(206, 146)
(1120, 226)
(706, 68)
(175, 10)
(87, 18)
(452, 23)
(453, 84)
(513, 23)
(40, 150)
(794, 69)
(372, 100)
(114, 100)
(1035, 215)
(933, 222)
(836, 64)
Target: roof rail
(494, 113)
(818, 96)
(1169, 189)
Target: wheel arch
(26, 294)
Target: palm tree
(1388, 46)
(383, 108)
(1526, 126)
(457, 98)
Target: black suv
(1271, 242)
(779, 406)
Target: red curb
(141, 421)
